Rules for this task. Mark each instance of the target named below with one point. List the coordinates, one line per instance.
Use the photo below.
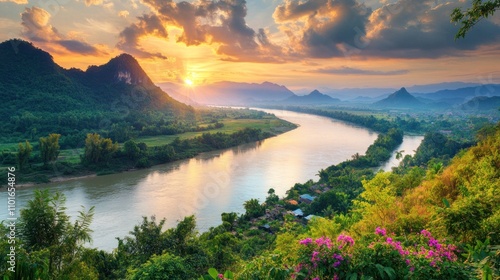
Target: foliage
(378, 256)
(49, 147)
(165, 267)
(23, 154)
(45, 230)
(98, 149)
(467, 19)
(253, 208)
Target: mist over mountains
(51, 88)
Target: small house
(298, 213)
(306, 198)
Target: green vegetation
(435, 216)
(218, 129)
(480, 9)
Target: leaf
(228, 274)
(353, 276)
(213, 272)
(390, 272)
(380, 269)
(446, 203)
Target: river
(214, 182)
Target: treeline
(368, 225)
(103, 155)
(383, 232)
(368, 121)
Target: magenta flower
(336, 264)
(221, 276)
(306, 241)
(345, 239)
(380, 231)
(426, 233)
(324, 241)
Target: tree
(468, 18)
(49, 147)
(166, 267)
(45, 226)
(23, 154)
(253, 208)
(131, 149)
(98, 149)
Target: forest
(436, 216)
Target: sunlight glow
(188, 82)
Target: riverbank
(161, 151)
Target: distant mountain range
(482, 103)
(252, 94)
(232, 93)
(315, 97)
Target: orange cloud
(19, 2)
(37, 27)
(218, 23)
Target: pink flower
(324, 241)
(426, 233)
(345, 239)
(306, 241)
(315, 257)
(221, 276)
(380, 231)
(407, 261)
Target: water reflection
(211, 183)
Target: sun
(188, 82)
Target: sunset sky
(299, 44)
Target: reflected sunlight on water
(213, 182)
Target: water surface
(211, 183)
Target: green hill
(40, 97)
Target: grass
(272, 125)
(230, 126)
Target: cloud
(78, 47)
(422, 28)
(401, 29)
(93, 2)
(37, 27)
(123, 14)
(19, 2)
(344, 70)
(146, 25)
(323, 28)
(218, 23)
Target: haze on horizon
(308, 43)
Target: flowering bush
(420, 256)
(323, 257)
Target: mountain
(39, 95)
(232, 93)
(430, 88)
(482, 103)
(315, 97)
(461, 95)
(400, 99)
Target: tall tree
(23, 154)
(98, 149)
(49, 147)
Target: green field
(272, 125)
(230, 126)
